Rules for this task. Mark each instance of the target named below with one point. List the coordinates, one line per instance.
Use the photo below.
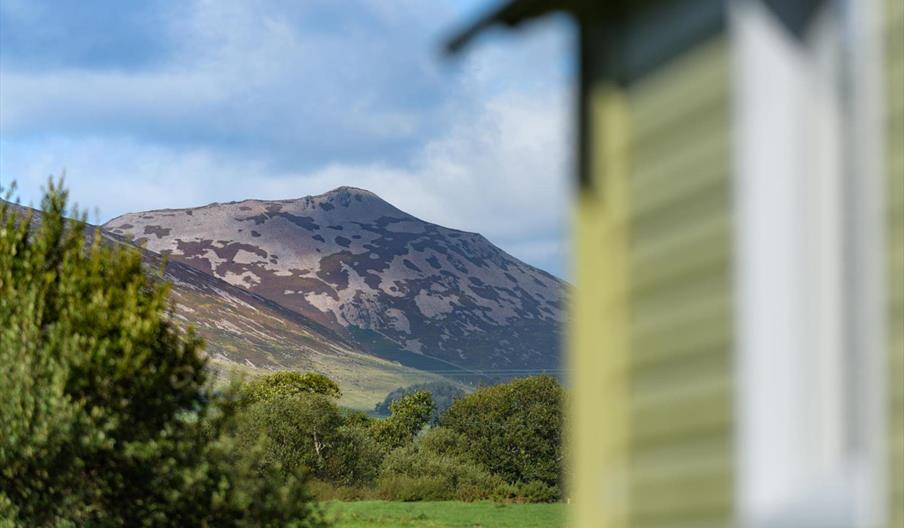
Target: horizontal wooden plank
(680, 379)
(692, 213)
(699, 335)
(658, 181)
(678, 411)
(666, 143)
(667, 97)
(658, 262)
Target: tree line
(499, 443)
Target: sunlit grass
(444, 514)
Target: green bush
(445, 441)
(413, 489)
(534, 491)
(412, 473)
(514, 429)
(328, 491)
(105, 418)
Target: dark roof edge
(514, 12)
(796, 14)
(509, 14)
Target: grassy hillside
(365, 380)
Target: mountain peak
(351, 191)
(382, 278)
(345, 196)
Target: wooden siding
(598, 349)
(680, 335)
(894, 89)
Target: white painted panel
(806, 346)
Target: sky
(165, 104)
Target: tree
(412, 412)
(105, 418)
(514, 429)
(287, 383)
(409, 414)
(443, 395)
(307, 432)
(295, 432)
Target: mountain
(246, 332)
(397, 287)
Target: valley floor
(444, 514)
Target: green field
(366, 514)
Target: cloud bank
(182, 104)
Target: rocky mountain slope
(249, 333)
(396, 286)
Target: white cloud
(257, 102)
(500, 172)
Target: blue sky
(157, 104)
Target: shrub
(411, 473)
(105, 418)
(513, 429)
(445, 441)
(328, 491)
(534, 491)
(412, 489)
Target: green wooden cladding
(893, 22)
(680, 336)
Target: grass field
(383, 514)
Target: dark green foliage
(309, 433)
(514, 429)
(299, 433)
(442, 465)
(104, 416)
(445, 441)
(353, 456)
(533, 491)
(443, 395)
(409, 414)
(357, 457)
(412, 473)
(438, 466)
(286, 383)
